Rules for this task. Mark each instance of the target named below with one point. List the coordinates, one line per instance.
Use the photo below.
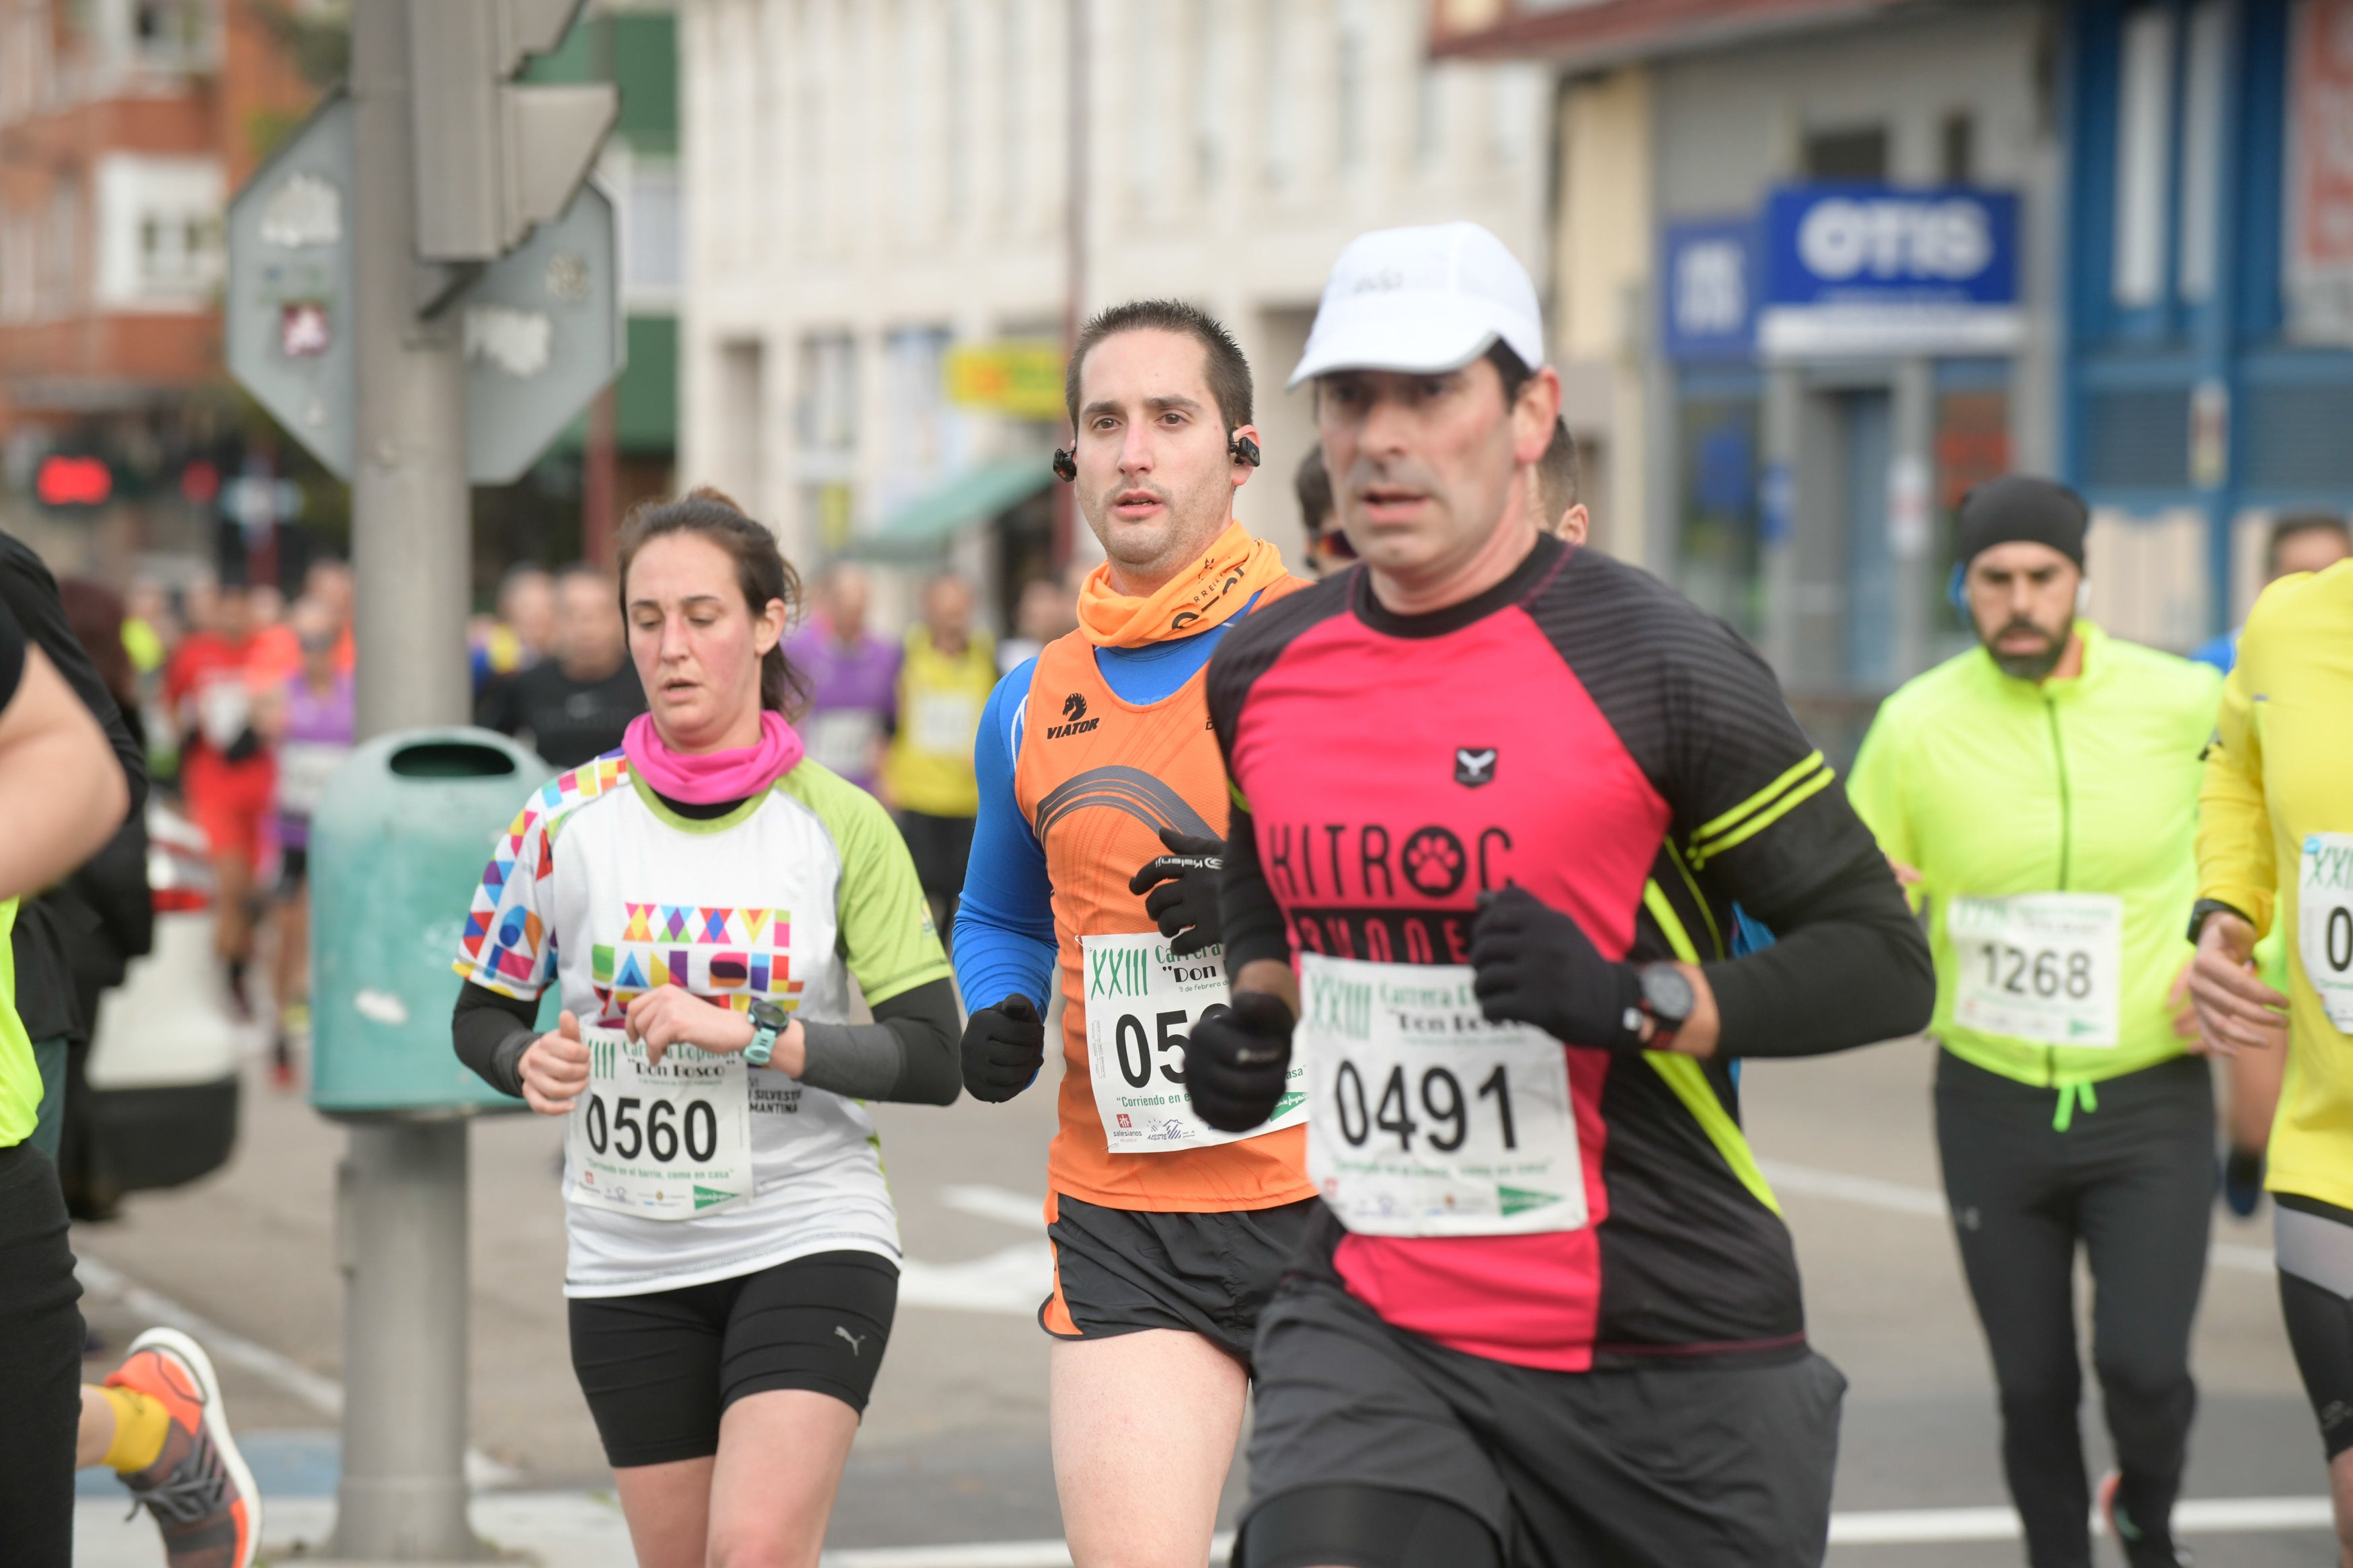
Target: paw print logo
(1434, 861)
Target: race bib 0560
(2046, 967)
(1141, 1002)
(665, 1141)
(2324, 922)
(1425, 1119)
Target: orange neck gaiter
(1210, 590)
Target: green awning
(921, 527)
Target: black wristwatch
(1668, 998)
(2205, 907)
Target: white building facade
(869, 183)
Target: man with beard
(2040, 794)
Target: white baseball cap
(1419, 299)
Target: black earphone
(1066, 460)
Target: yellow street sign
(1019, 376)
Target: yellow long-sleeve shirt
(2275, 839)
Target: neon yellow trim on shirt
(1684, 1076)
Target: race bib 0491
(665, 1141)
(2324, 922)
(2046, 967)
(1426, 1119)
(1141, 1002)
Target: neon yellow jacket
(2279, 773)
(1993, 787)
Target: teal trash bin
(398, 850)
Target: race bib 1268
(2046, 967)
(663, 1141)
(1426, 1119)
(2324, 922)
(1141, 1002)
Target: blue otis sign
(1856, 270)
(1708, 303)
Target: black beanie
(2016, 509)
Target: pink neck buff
(707, 778)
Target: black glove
(1004, 1047)
(1188, 894)
(247, 744)
(1236, 1060)
(1536, 965)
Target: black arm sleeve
(491, 1033)
(908, 1053)
(1251, 920)
(31, 595)
(1850, 941)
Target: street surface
(955, 1445)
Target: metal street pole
(402, 1213)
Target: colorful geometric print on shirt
(790, 896)
(1584, 733)
(731, 956)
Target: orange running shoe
(199, 1488)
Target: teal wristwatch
(768, 1021)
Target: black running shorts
(1686, 1464)
(661, 1369)
(2314, 1242)
(1120, 1270)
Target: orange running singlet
(1098, 778)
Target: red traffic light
(73, 481)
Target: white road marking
(583, 1529)
(320, 1393)
(1003, 1204)
(1013, 1281)
(1902, 1198)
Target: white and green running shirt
(601, 887)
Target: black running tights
(2131, 1183)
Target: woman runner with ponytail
(702, 898)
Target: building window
(1348, 84)
(1428, 117)
(958, 96)
(1208, 110)
(828, 393)
(1956, 146)
(1274, 95)
(654, 263)
(1717, 533)
(2317, 274)
(1972, 445)
(1012, 44)
(2144, 129)
(2201, 145)
(1847, 152)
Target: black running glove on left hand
(1533, 964)
(1236, 1060)
(1187, 891)
(1004, 1047)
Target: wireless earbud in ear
(1245, 450)
(1066, 466)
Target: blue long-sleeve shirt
(1005, 926)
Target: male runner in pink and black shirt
(1498, 796)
